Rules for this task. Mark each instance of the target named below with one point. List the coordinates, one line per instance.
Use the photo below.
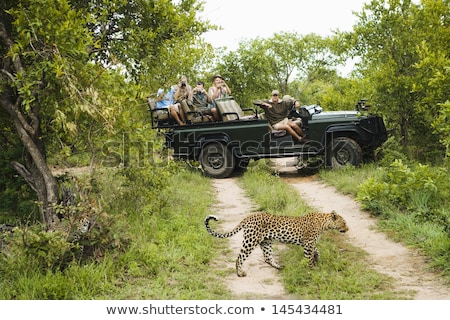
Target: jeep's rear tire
(216, 160)
(344, 151)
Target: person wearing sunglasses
(277, 111)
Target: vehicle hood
(336, 115)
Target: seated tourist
(277, 111)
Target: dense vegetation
(72, 93)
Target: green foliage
(404, 52)
(442, 125)
(260, 65)
(156, 249)
(390, 151)
(153, 40)
(411, 199)
(33, 249)
(82, 70)
(407, 188)
(18, 202)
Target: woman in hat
(219, 88)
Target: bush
(418, 189)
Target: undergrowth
(153, 247)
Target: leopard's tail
(220, 235)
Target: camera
(183, 83)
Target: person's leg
(215, 114)
(288, 128)
(207, 112)
(174, 113)
(181, 112)
(297, 129)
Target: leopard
(263, 228)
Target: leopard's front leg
(267, 250)
(312, 255)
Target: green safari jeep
(335, 138)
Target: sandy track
(263, 282)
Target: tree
(60, 70)
(400, 43)
(260, 65)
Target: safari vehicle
(335, 138)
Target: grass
(167, 255)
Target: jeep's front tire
(343, 151)
(216, 160)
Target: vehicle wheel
(217, 160)
(344, 151)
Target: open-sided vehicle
(335, 138)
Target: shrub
(419, 189)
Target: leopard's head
(338, 222)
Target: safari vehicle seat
(229, 109)
(160, 117)
(193, 116)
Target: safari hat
(218, 76)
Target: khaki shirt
(278, 112)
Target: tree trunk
(35, 171)
(404, 131)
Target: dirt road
(262, 281)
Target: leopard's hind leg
(248, 245)
(266, 246)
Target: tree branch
(24, 173)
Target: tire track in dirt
(262, 281)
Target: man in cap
(277, 112)
(219, 88)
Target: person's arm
(214, 92)
(177, 94)
(225, 86)
(208, 97)
(265, 104)
(160, 95)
